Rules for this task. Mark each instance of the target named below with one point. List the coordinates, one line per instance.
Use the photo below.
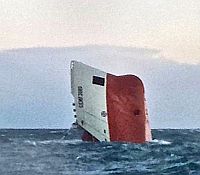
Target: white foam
(75, 141)
(31, 142)
(161, 142)
(54, 132)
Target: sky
(169, 26)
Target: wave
(170, 152)
(74, 141)
(56, 131)
(30, 142)
(5, 140)
(77, 141)
(47, 142)
(161, 142)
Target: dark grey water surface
(49, 152)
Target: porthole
(137, 112)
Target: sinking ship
(108, 107)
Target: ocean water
(61, 152)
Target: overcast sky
(171, 26)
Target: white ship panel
(90, 99)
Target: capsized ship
(109, 107)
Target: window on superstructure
(98, 80)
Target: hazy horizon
(35, 85)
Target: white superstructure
(88, 86)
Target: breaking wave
(161, 142)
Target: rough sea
(61, 152)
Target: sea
(61, 152)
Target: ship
(107, 107)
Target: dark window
(98, 80)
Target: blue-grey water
(49, 152)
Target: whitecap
(30, 142)
(161, 142)
(78, 157)
(75, 141)
(54, 132)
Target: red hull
(88, 137)
(126, 108)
